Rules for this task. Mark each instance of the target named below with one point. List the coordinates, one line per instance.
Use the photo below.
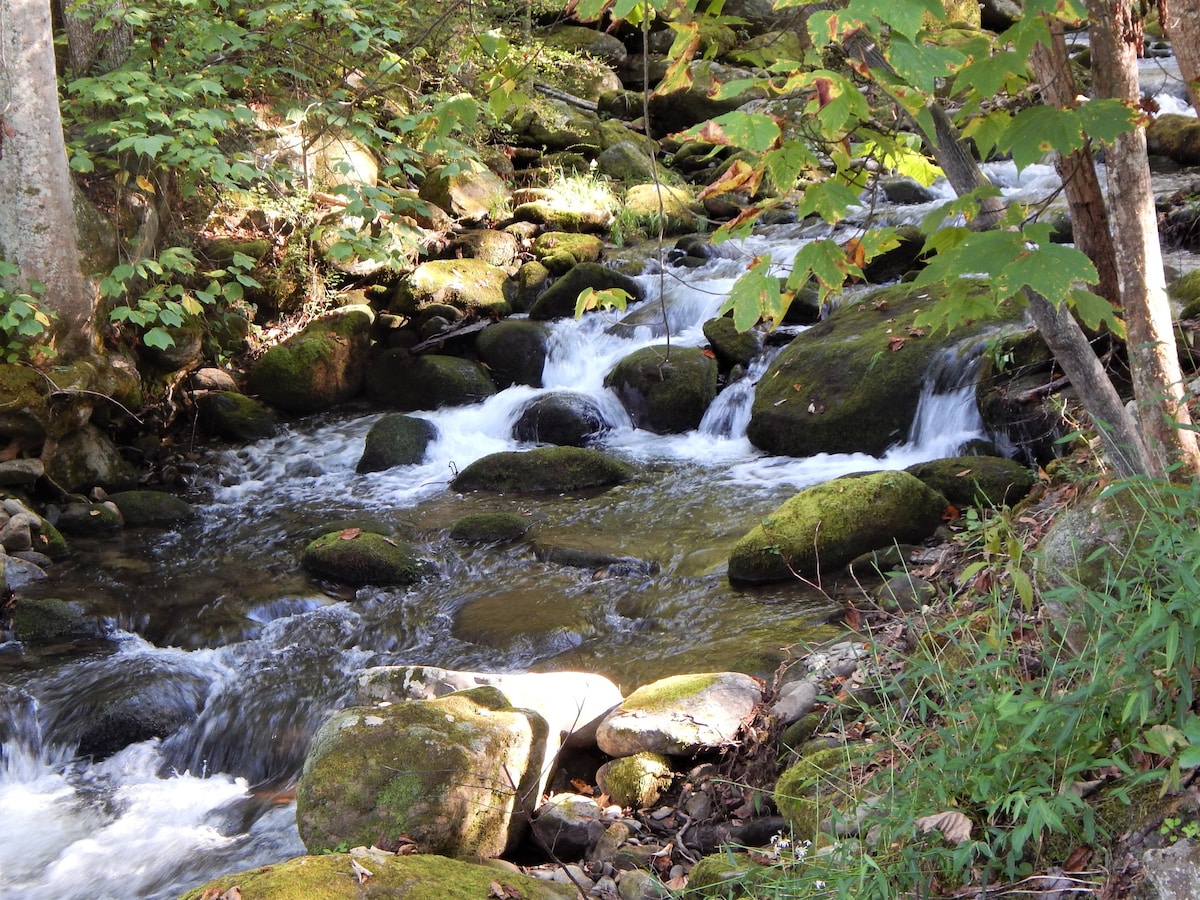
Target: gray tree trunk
(1158, 386)
(1181, 19)
(38, 229)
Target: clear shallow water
(219, 623)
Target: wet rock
(23, 472)
(987, 481)
(637, 781)
(824, 527)
(430, 381)
(396, 440)
(665, 389)
(457, 774)
(318, 368)
(467, 285)
(679, 715)
(733, 347)
(418, 876)
(558, 300)
(568, 825)
(152, 508)
(16, 534)
(543, 469)
(514, 351)
(235, 417)
(86, 458)
(604, 564)
(42, 621)
(89, 518)
(472, 195)
(904, 593)
(357, 558)
(1176, 137)
(489, 528)
(563, 418)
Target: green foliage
(24, 321)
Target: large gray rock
(1171, 873)
(561, 417)
(234, 416)
(457, 774)
(665, 389)
(318, 368)
(431, 381)
(153, 508)
(358, 557)
(86, 458)
(680, 715)
(514, 351)
(396, 440)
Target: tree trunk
(38, 230)
(1181, 19)
(1158, 387)
(86, 46)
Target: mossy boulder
(665, 389)
(496, 248)
(823, 528)
(318, 368)
(561, 417)
(430, 381)
(453, 773)
(579, 247)
(637, 781)
(357, 557)
(732, 347)
(681, 714)
(514, 351)
(89, 518)
(152, 508)
(811, 791)
(1176, 137)
(543, 469)
(627, 161)
(396, 440)
(473, 195)
(553, 125)
(674, 208)
(586, 41)
(468, 285)
(989, 481)
(489, 528)
(47, 621)
(418, 876)
(850, 384)
(234, 416)
(558, 300)
(87, 458)
(24, 405)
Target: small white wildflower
(819, 884)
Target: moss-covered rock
(731, 874)
(473, 195)
(812, 790)
(430, 381)
(89, 518)
(234, 416)
(580, 247)
(152, 508)
(637, 781)
(558, 300)
(46, 621)
(561, 417)
(50, 541)
(1176, 137)
(733, 347)
(318, 368)
(543, 469)
(419, 876)
(357, 558)
(850, 384)
(532, 278)
(489, 528)
(552, 125)
(665, 389)
(674, 208)
(86, 458)
(452, 773)
(514, 351)
(627, 161)
(496, 248)
(468, 285)
(977, 480)
(824, 527)
(24, 405)
(396, 440)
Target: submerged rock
(357, 557)
(457, 774)
(418, 876)
(543, 469)
(680, 715)
(489, 528)
(823, 528)
(665, 389)
(396, 440)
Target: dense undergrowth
(1019, 726)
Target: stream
(216, 625)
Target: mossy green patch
(543, 469)
(665, 389)
(664, 695)
(489, 528)
(808, 792)
(363, 558)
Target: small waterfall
(947, 415)
(729, 414)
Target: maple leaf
(896, 342)
(349, 534)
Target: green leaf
(158, 337)
(1050, 269)
(756, 297)
(756, 132)
(994, 74)
(921, 65)
(828, 199)
(609, 298)
(784, 164)
(1190, 758)
(988, 131)
(1105, 120)
(1038, 130)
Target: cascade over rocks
(665, 389)
(543, 469)
(318, 368)
(824, 527)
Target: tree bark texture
(1181, 19)
(38, 230)
(1158, 386)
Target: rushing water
(218, 628)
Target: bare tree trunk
(1085, 198)
(38, 230)
(1181, 19)
(1158, 387)
(87, 46)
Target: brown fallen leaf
(349, 534)
(954, 826)
(895, 342)
(502, 891)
